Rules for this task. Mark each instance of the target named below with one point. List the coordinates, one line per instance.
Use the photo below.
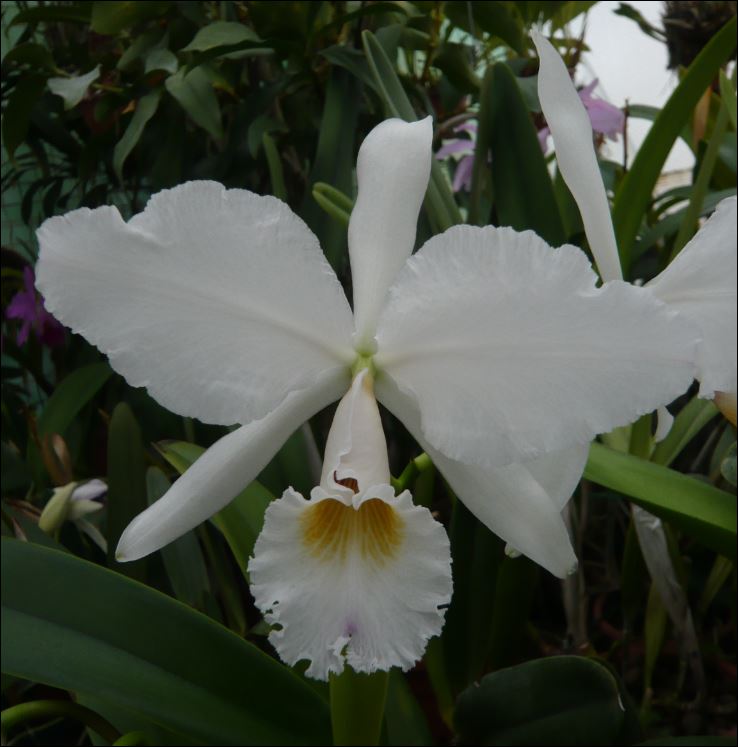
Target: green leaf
(194, 93)
(357, 706)
(34, 55)
(145, 110)
(276, 174)
(161, 59)
(71, 395)
(76, 626)
(242, 519)
(72, 90)
(454, 61)
(109, 17)
(126, 483)
(74, 13)
(517, 164)
(221, 34)
(635, 190)
(405, 720)
(561, 700)
(183, 559)
(17, 113)
(687, 424)
(727, 94)
(699, 509)
(501, 20)
(728, 465)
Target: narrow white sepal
(572, 135)
(225, 469)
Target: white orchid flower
(499, 354)
(699, 284)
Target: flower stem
(357, 707)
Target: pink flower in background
(28, 306)
(606, 119)
(463, 149)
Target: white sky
(630, 66)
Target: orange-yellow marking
(330, 529)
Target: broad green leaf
(454, 61)
(440, 205)
(634, 192)
(352, 60)
(654, 629)
(194, 93)
(699, 509)
(221, 34)
(109, 17)
(76, 626)
(517, 164)
(357, 706)
(126, 483)
(72, 90)
(183, 560)
(145, 110)
(161, 59)
(71, 395)
(561, 700)
(242, 519)
(17, 112)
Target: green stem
(44, 709)
(130, 739)
(413, 469)
(357, 707)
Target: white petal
(509, 500)
(572, 135)
(225, 469)
(392, 172)
(512, 351)
(82, 507)
(73, 90)
(367, 584)
(356, 448)
(90, 490)
(219, 301)
(701, 284)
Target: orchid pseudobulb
(501, 356)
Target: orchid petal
(365, 584)
(356, 448)
(454, 147)
(701, 284)
(219, 301)
(575, 155)
(392, 170)
(223, 471)
(512, 351)
(73, 89)
(90, 490)
(463, 174)
(510, 500)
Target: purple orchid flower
(463, 149)
(28, 306)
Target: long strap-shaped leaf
(74, 625)
(636, 188)
(699, 509)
